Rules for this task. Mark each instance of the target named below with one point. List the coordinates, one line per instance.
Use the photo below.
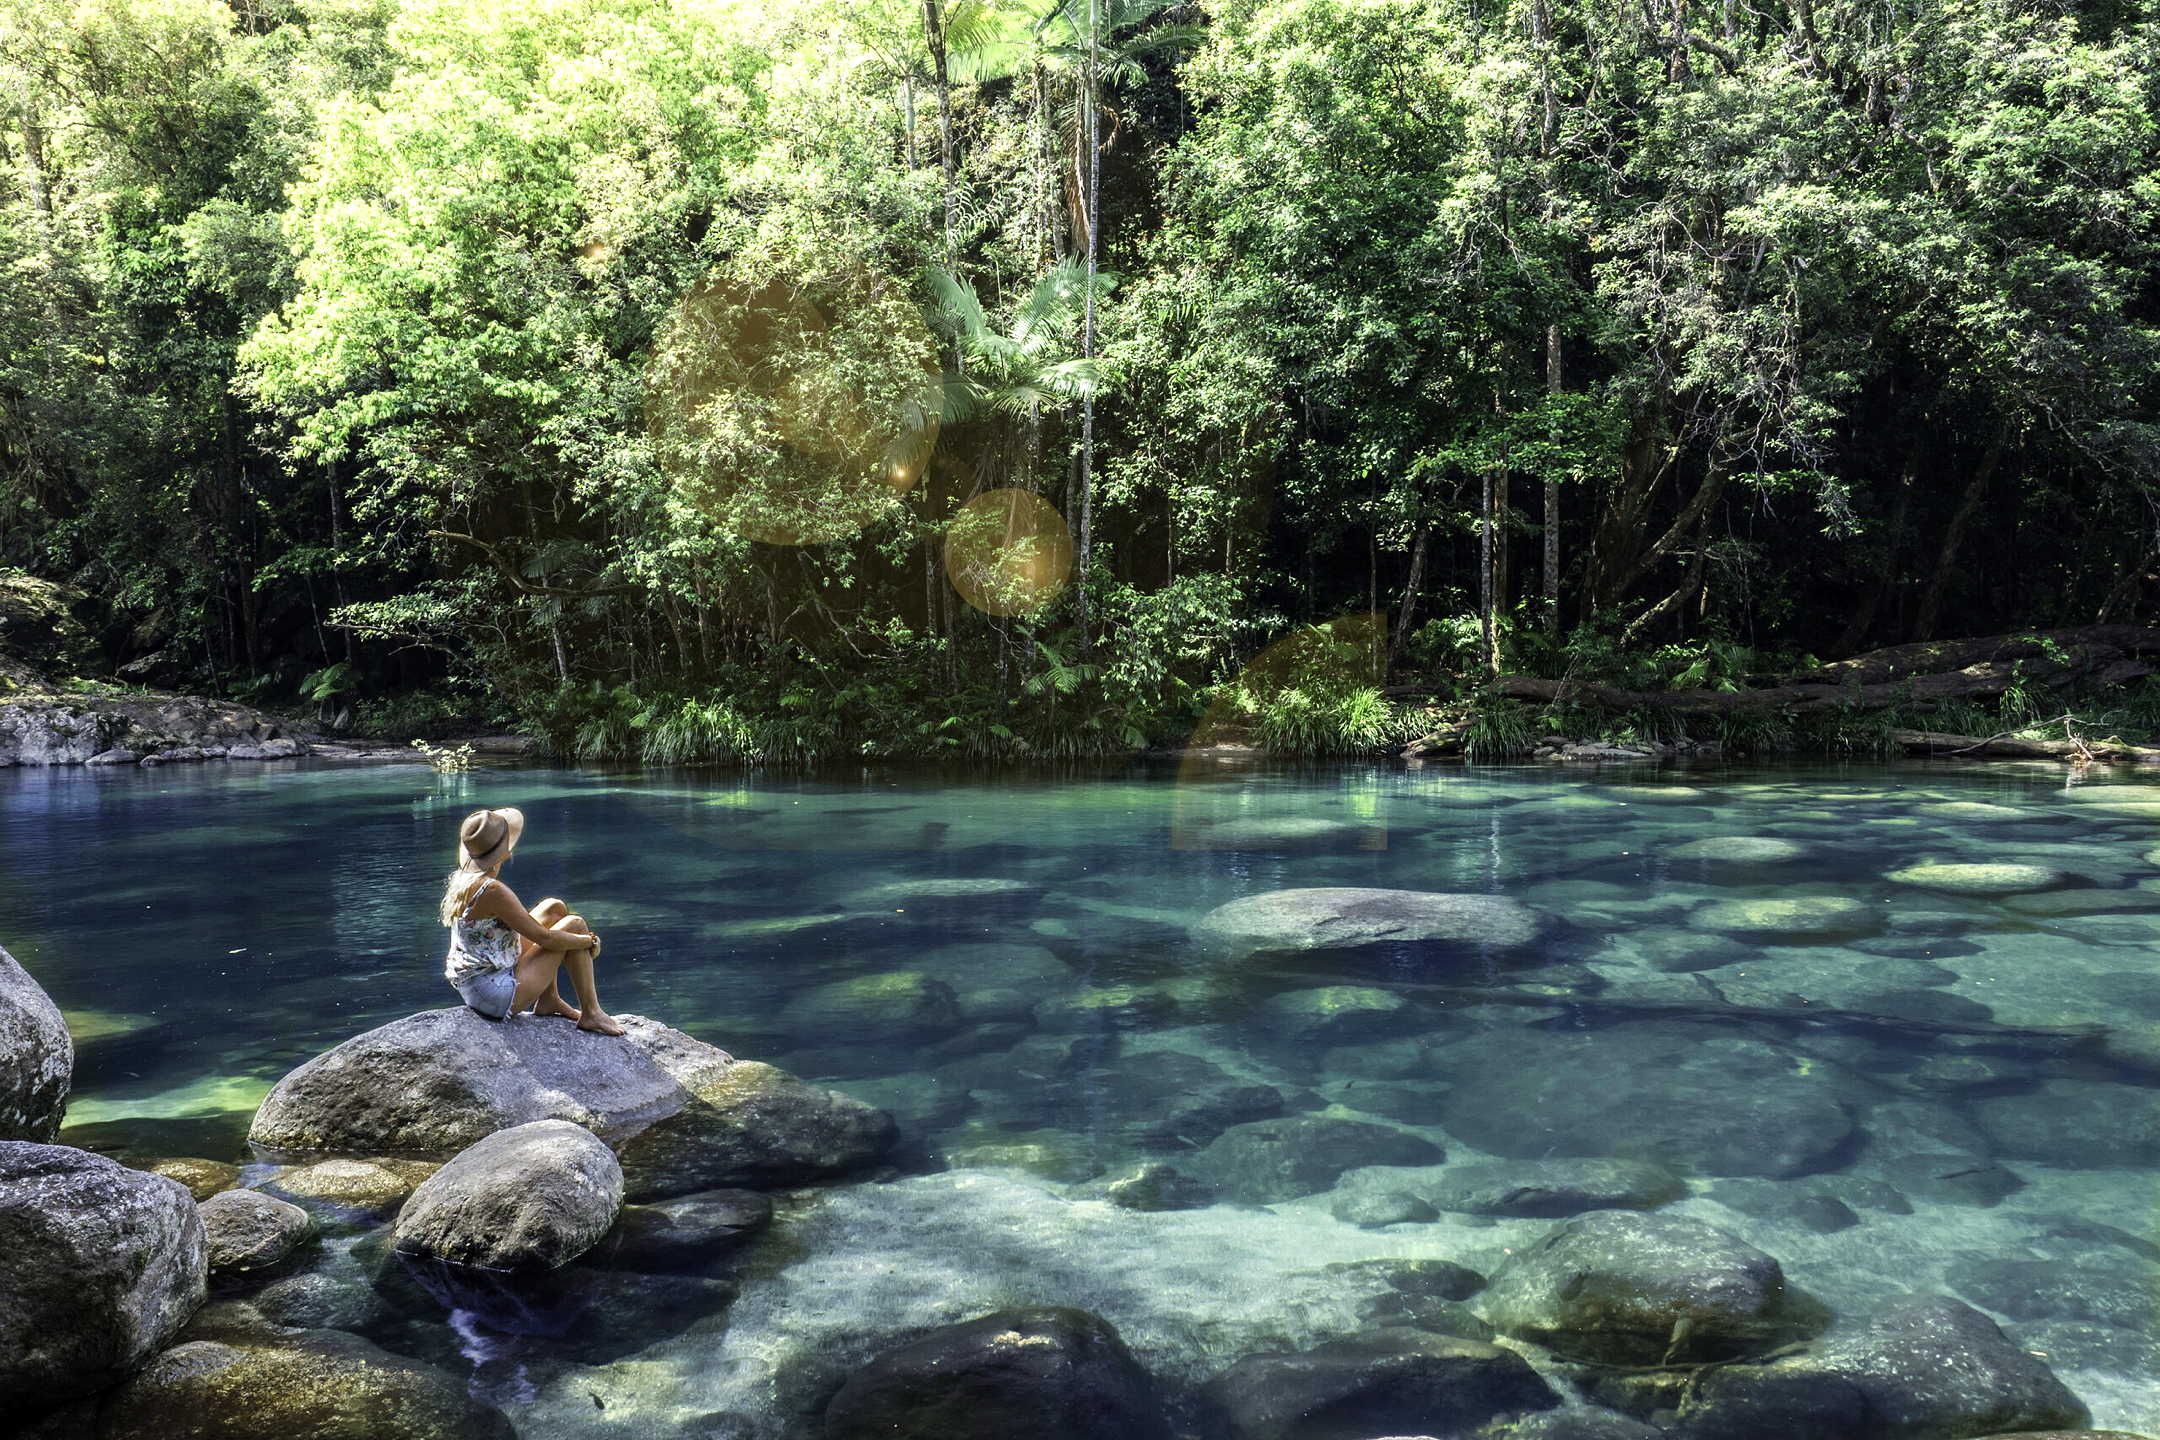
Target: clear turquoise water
(208, 928)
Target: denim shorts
(489, 992)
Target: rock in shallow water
(2077, 1124)
(754, 1126)
(528, 1198)
(365, 1187)
(1271, 1160)
(1806, 917)
(1925, 1368)
(1550, 1189)
(433, 1083)
(1348, 918)
(685, 1116)
(1376, 1208)
(100, 1266)
(1623, 1288)
(264, 1383)
(896, 1007)
(680, 1234)
(1991, 879)
(1387, 1382)
(1158, 1187)
(1334, 1014)
(1690, 1096)
(250, 1232)
(1041, 1374)
(1744, 850)
(37, 1059)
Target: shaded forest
(703, 379)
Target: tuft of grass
(1501, 730)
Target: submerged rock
(100, 1266)
(1950, 1179)
(1334, 1014)
(1571, 1425)
(1348, 918)
(37, 1059)
(686, 1232)
(1281, 832)
(1696, 1098)
(528, 1198)
(1158, 1187)
(2077, 1124)
(684, 1115)
(1743, 850)
(2055, 1290)
(1806, 917)
(1551, 1189)
(249, 1232)
(1388, 1382)
(1785, 1201)
(1618, 1287)
(265, 1383)
(203, 1178)
(1042, 1374)
(753, 1125)
(365, 1187)
(1917, 1368)
(1271, 1160)
(1376, 1208)
(1995, 879)
(895, 1007)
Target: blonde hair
(458, 892)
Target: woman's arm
(502, 903)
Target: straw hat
(488, 836)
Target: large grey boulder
(1389, 1382)
(249, 1232)
(100, 1266)
(684, 1115)
(1918, 1368)
(1622, 1287)
(1350, 918)
(37, 1059)
(1042, 1374)
(433, 1083)
(528, 1198)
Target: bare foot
(557, 1007)
(600, 1023)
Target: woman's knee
(550, 910)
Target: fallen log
(1932, 742)
(1934, 670)
(2094, 644)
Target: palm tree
(1026, 366)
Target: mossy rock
(1805, 917)
(1334, 1014)
(1744, 850)
(896, 1005)
(1989, 879)
(1108, 1007)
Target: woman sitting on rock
(503, 957)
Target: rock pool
(1172, 1045)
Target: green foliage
(1501, 730)
(447, 759)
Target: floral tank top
(478, 947)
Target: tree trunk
(1087, 328)
(934, 33)
(1553, 382)
(1954, 537)
(1408, 613)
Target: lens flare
(793, 415)
(1008, 552)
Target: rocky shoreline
(534, 1179)
(42, 727)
